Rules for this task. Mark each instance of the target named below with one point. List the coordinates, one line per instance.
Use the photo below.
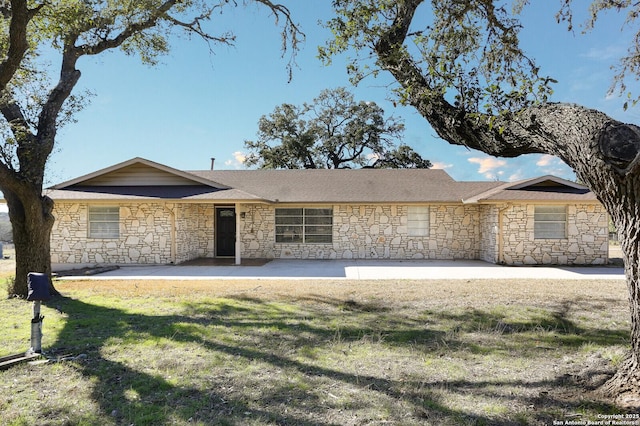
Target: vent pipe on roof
(213, 160)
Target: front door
(225, 231)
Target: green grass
(274, 357)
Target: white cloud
(545, 160)
(238, 160)
(560, 170)
(516, 176)
(606, 53)
(372, 156)
(487, 164)
(550, 165)
(240, 156)
(438, 165)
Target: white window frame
(104, 222)
(418, 221)
(295, 228)
(550, 222)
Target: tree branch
(128, 32)
(47, 121)
(290, 33)
(452, 124)
(18, 43)
(20, 129)
(195, 27)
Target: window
(104, 222)
(550, 222)
(304, 225)
(418, 221)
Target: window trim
(539, 220)
(110, 234)
(304, 234)
(425, 220)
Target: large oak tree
(35, 101)
(460, 65)
(334, 131)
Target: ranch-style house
(143, 212)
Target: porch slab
(224, 261)
(360, 270)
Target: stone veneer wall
(360, 232)
(587, 239)
(257, 232)
(370, 232)
(145, 235)
(489, 233)
(194, 231)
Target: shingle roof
(346, 185)
(140, 179)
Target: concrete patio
(359, 270)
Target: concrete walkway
(360, 270)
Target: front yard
(316, 353)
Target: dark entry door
(225, 231)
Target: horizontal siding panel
(138, 175)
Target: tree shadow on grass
(125, 392)
(279, 383)
(553, 325)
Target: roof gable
(138, 172)
(543, 188)
(547, 182)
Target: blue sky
(196, 105)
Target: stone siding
(370, 232)
(161, 233)
(146, 235)
(489, 233)
(194, 231)
(258, 232)
(587, 241)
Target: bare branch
(196, 27)
(291, 33)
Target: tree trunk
(604, 153)
(627, 378)
(625, 217)
(31, 221)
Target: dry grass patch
(319, 352)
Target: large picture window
(550, 222)
(304, 225)
(418, 221)
(104, 222)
